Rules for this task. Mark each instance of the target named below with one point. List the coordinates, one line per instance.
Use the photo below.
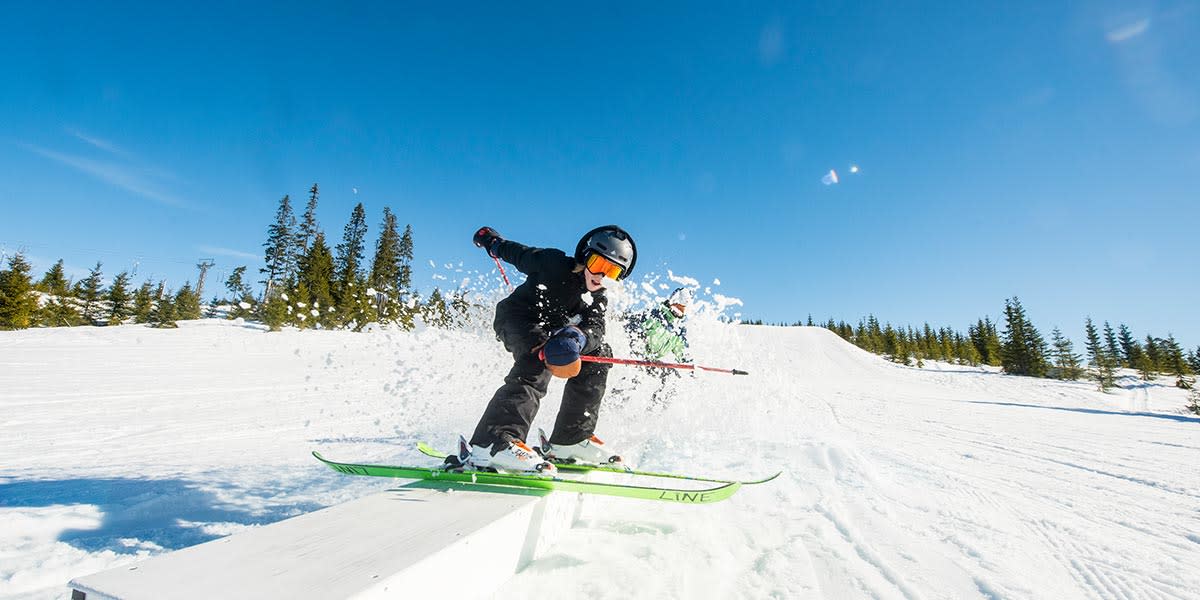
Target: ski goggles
(598, 265)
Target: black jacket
(553, 296)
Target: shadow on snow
(170, 513)
(1094, 411)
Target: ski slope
(947, 482)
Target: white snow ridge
(119, 443)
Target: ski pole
(502, 273)
(665, 365)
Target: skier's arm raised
(526, 259)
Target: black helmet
(612, 243)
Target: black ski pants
(511, 411)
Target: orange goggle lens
(602, 266)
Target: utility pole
(203, 265)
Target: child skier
(547, 323)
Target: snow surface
(118, 443)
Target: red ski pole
(664, 365)
(502, 273)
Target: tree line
(56, 301)
(305, 283)
(1021, 349)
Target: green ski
(428, 450)
(537, 482)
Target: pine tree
(55, 282)
(279, 259)
(385, 269)
(275, 310)
(358, 304)
(317, 277)
(348, 262)
(89, 290)
(405, 251)
(1065, 359)
(1194, 401)
(1194, 360)
(187, 303)
(18, 304)
(1023, 352)
(892, 347)
(143, 303)
(240, 297)
(1099, 358)
(1175, 363)
(1153, 354)
(1131, 351)
(970, 354)
(1110, 344)
(874, 342)
(118, 297)
(58, 309)
(435, 311)
(460, 307)
(986, 341)
(308, 225)
(164, 310)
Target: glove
(561, 352)
(487, 238)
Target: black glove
(487, 238)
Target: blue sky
(1048, 151)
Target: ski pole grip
(737, 372)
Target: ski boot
(590, 451)
(512, 456)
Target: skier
(547, 323)
(660, 330)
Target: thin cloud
(1128, 32)
(102, 144)
(115, 174)
(218, 251)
